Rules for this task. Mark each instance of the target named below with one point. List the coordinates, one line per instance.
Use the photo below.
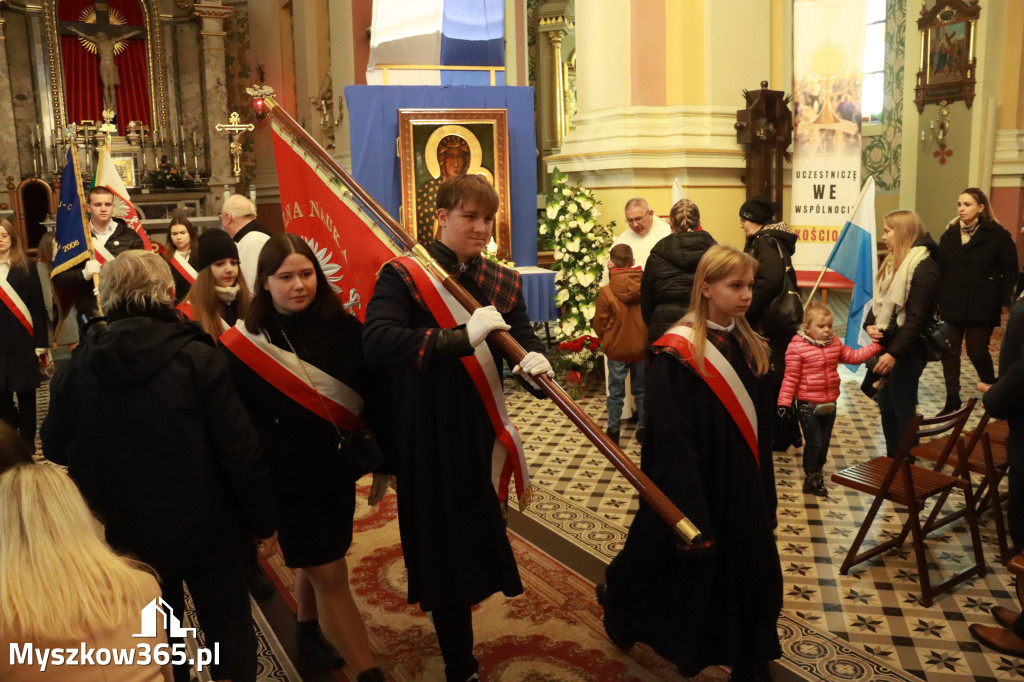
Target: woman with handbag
(979, 268)
(906, 290)
(297, 361)
(775, 311)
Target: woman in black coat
(668, 276)
(313, 459)
(772, 244)
(979, 267)
(182, 254)
(20, 349)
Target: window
(872, 93)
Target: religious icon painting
(948, 61)
(437, 144)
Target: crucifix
(234, 127)
(104, 33)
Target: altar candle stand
(195, 154)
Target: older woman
(978, 261)
(772, 244)
(668, 276)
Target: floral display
(580, 244)
(169, 175)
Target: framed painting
(125, 166)
(436, 144)
(948, 62)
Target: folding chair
(902, 483)
(986, 457)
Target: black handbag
(936, 340)
(786, 311)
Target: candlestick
(195, 154)
(252, 193)
(181, 130)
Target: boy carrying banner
(455, 450)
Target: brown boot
(1005, 617)
(1003, 640)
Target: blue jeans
(617, 370)
(897, 400)
(817, 430)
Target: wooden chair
(902, 483)
(986, 457)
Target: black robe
(439, 446)
(702, 606)
(19, 368)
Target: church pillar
(555, 22)
(8, 135)
(215, 95)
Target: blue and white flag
(436, 33)
(855, 258)
(74, 241)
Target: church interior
(616, 99)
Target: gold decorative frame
(125, 166)
(485, 132)
(948, 63)
(154, 64)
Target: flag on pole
(677, 191)
(74, 241)
(107, 176)
(855, 258)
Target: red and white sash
(186, 309)
(326, 396)
(723, 380)
(507, 456)
(181, 264)
(14, 303)
(100, 253)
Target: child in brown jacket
(624, 336)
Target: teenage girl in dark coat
(19, 367)
(979, 269)
(308, 455)
(668, 276)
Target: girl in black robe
(716, 601)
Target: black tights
(454, 628)
(22, 417)
(977, 337)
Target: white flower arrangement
(569, 227)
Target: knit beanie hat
(758, 210)
(215, 244)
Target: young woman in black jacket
(668, 276)
(308, 440)
(979, 267)
(905, 293)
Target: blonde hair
(238, 206)
(815, 311)
(907, 228)
(206, 304)
(136, 278)
(48, 533)
(716, 264)
(684, 216)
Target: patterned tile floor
(865, 625)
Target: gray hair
(136, 278)
(238, 206)
(638, 201)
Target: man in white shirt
(238, 218)
(645, 230)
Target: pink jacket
(812, 371)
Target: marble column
(8, 134)
(214, 71)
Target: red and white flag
(107, 176)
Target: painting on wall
(437, 144)
(948, 62)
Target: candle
(252, 193)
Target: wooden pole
(665, 508)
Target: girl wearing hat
(772, 244)
(219, 296)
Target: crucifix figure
(105, 39)
(233, 128)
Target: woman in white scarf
(904, 305)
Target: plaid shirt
(502, 287)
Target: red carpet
(551, 632)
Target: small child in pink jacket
(812, 378)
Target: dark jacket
(920, 307)
(668, 280)
(19, 369)
(123, 239)
(768, 245)
(977, 277)
(154, 434)
(617, 320)
(1005, 400)
(181, 285)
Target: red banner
(349, 246)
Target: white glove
(380, 485)
(533, 364)
(92, 267)
(484, 321)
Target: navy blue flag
(74, 242)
